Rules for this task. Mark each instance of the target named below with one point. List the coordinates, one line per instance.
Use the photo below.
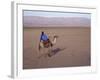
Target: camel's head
(56, 36)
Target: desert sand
(71, 50)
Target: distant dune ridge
(37, 21)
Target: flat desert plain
(72, 48)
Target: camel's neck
(54, 40)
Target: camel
(49, 44)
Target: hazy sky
(56, 14)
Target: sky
(55, 14)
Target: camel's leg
(49, 52)
(41, 46)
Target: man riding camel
(45, 40)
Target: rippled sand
(72, 48)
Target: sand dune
(72, 48)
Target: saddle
(47, 43)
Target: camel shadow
(55, 51)
(52, 52)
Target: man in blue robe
(44, 38)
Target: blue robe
(44, 37)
